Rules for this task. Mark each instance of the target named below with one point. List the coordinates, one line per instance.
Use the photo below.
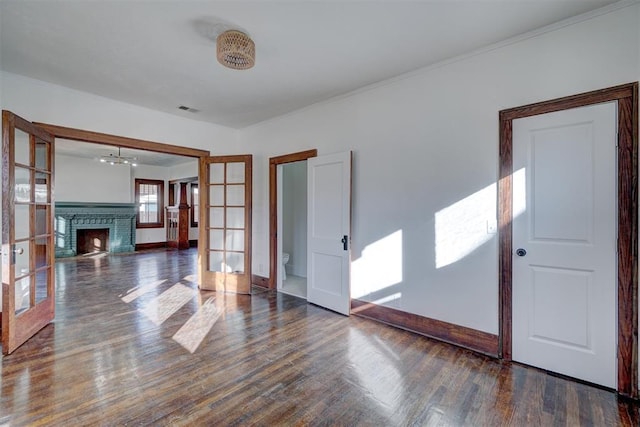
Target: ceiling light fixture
(119, 159)
(236, 50)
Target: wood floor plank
(268, 359)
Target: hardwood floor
(115, 356)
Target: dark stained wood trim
(263, 282)
(627, 97)
(120, 141)
(505, 198)
(628, 245)
(273, 206)
(568, 102)
(152, 245)
(472, 339)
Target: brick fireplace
(115, 220)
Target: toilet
(285, 260)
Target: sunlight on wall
(519, 192)
(463, 227)
(379, 266)
(388, 298)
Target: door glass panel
(41, 285)
(235, 173)
(23, 287)
(235, 195)
(235, 240)
(235, 217)
(41, 252)
(23, 184)
(42, 187)
(235, 262)
(216, 240)
(22, 259)
(22, 221)
(216, 195)
(216, 217)
(22, 148)
(42, 159)
(216, 261)
(216, 173)
(42, 224)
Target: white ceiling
(161, 54)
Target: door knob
(19, 251)
(521, 252)
(345, 241)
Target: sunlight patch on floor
(140, 290)
(167, 303)
(191, 278)
(191, 334)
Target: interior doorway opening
(282, 235)
(292, 228)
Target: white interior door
(328, 231)
(564, 240)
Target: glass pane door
(225, 223)
(27, 231)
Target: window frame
(194, 207)
(160, 202)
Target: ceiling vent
(189, 109)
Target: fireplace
(91, 241)
(87, 227)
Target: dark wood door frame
(120, 141)
(273, 207)
(627, 99)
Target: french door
(28, 297)
(224, 252)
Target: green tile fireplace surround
(118, 218)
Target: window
(150, 201)
(195, 202)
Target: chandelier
(118, 159)
(236, 50)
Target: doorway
(292, 228)
(626, 215)
(276, 216)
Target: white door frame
(627, 99)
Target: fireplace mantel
(119, 218)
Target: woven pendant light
(236, 50)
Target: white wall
(294, 216)
(425, 162)
(86, 180)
